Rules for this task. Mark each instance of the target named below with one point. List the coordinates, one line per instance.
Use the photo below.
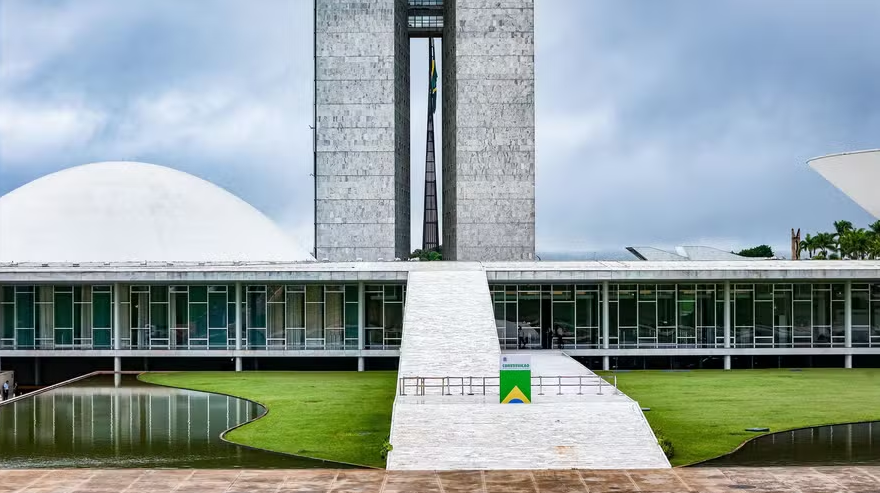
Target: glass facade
(200, 317)
(685, 315)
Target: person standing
(14, 389)
(6, 390)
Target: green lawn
(338, 416)
(704, 413)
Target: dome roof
(856, 174)
(124, 211)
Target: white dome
(124, 212)
(857, 174)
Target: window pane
(198, 294)
(276, 321)
(744, 309)
(628, 311)
(351, 320)
(217, 310)
(530, 309)
(296, 310)
(334, 311)
(64, 310)
(782, 308)
(393, 320)
(563, 318)
(314, 320)
(256, 310)
(821, 307)
(374, 310)
(179, 310)
(706, 306)
(159, 319)
(666, 309)
(315, 293)
(24, 310)
(860, 308)
(198, 320)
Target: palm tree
(825, 242)
(808, 244)
(840, 228)
(875, 228)
(856, 243)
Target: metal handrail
(453, 385)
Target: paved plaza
(703, 480)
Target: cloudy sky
(658, 123)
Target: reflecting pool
(857, 443)
(91, 423)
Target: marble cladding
(362, 136)
(489, 109)
(362, 129)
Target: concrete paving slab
(844, 479)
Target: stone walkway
(705, 480)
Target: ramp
(449, 331)
(449, 325)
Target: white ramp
(449, 331)
(449, 325)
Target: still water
(91, 423)
(857, 443)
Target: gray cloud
(658, 122)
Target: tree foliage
(846, 242)
(760, 251)
(428, 255)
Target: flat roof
(520, 271)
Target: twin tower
(362, 127)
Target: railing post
(580, 385)
(600, 386)
(484, 386)
(540, 385)
(559, 383)
(471, 385)
(615, 385)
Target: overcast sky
(658, 123)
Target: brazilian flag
(432, 90)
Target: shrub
(386, 447)
(665, 444)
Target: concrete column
(238, 363)
(360, 363)
(606, 315)
(847, 322)
(362, 302)
(606, 324)
(726, 323)
(117, 317)
(238, 321)
(117, 368)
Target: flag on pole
(432, 92)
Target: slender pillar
(238, 317)
(606, 323)
(847, 323)
(362, 301)
(37, 371)
(238, 325)
(360, 363)
(727, 323)
(117, 317)
(117, 368)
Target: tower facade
(362, 128)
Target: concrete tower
(362, 128)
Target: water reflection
(823, 445)
(93, 424)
